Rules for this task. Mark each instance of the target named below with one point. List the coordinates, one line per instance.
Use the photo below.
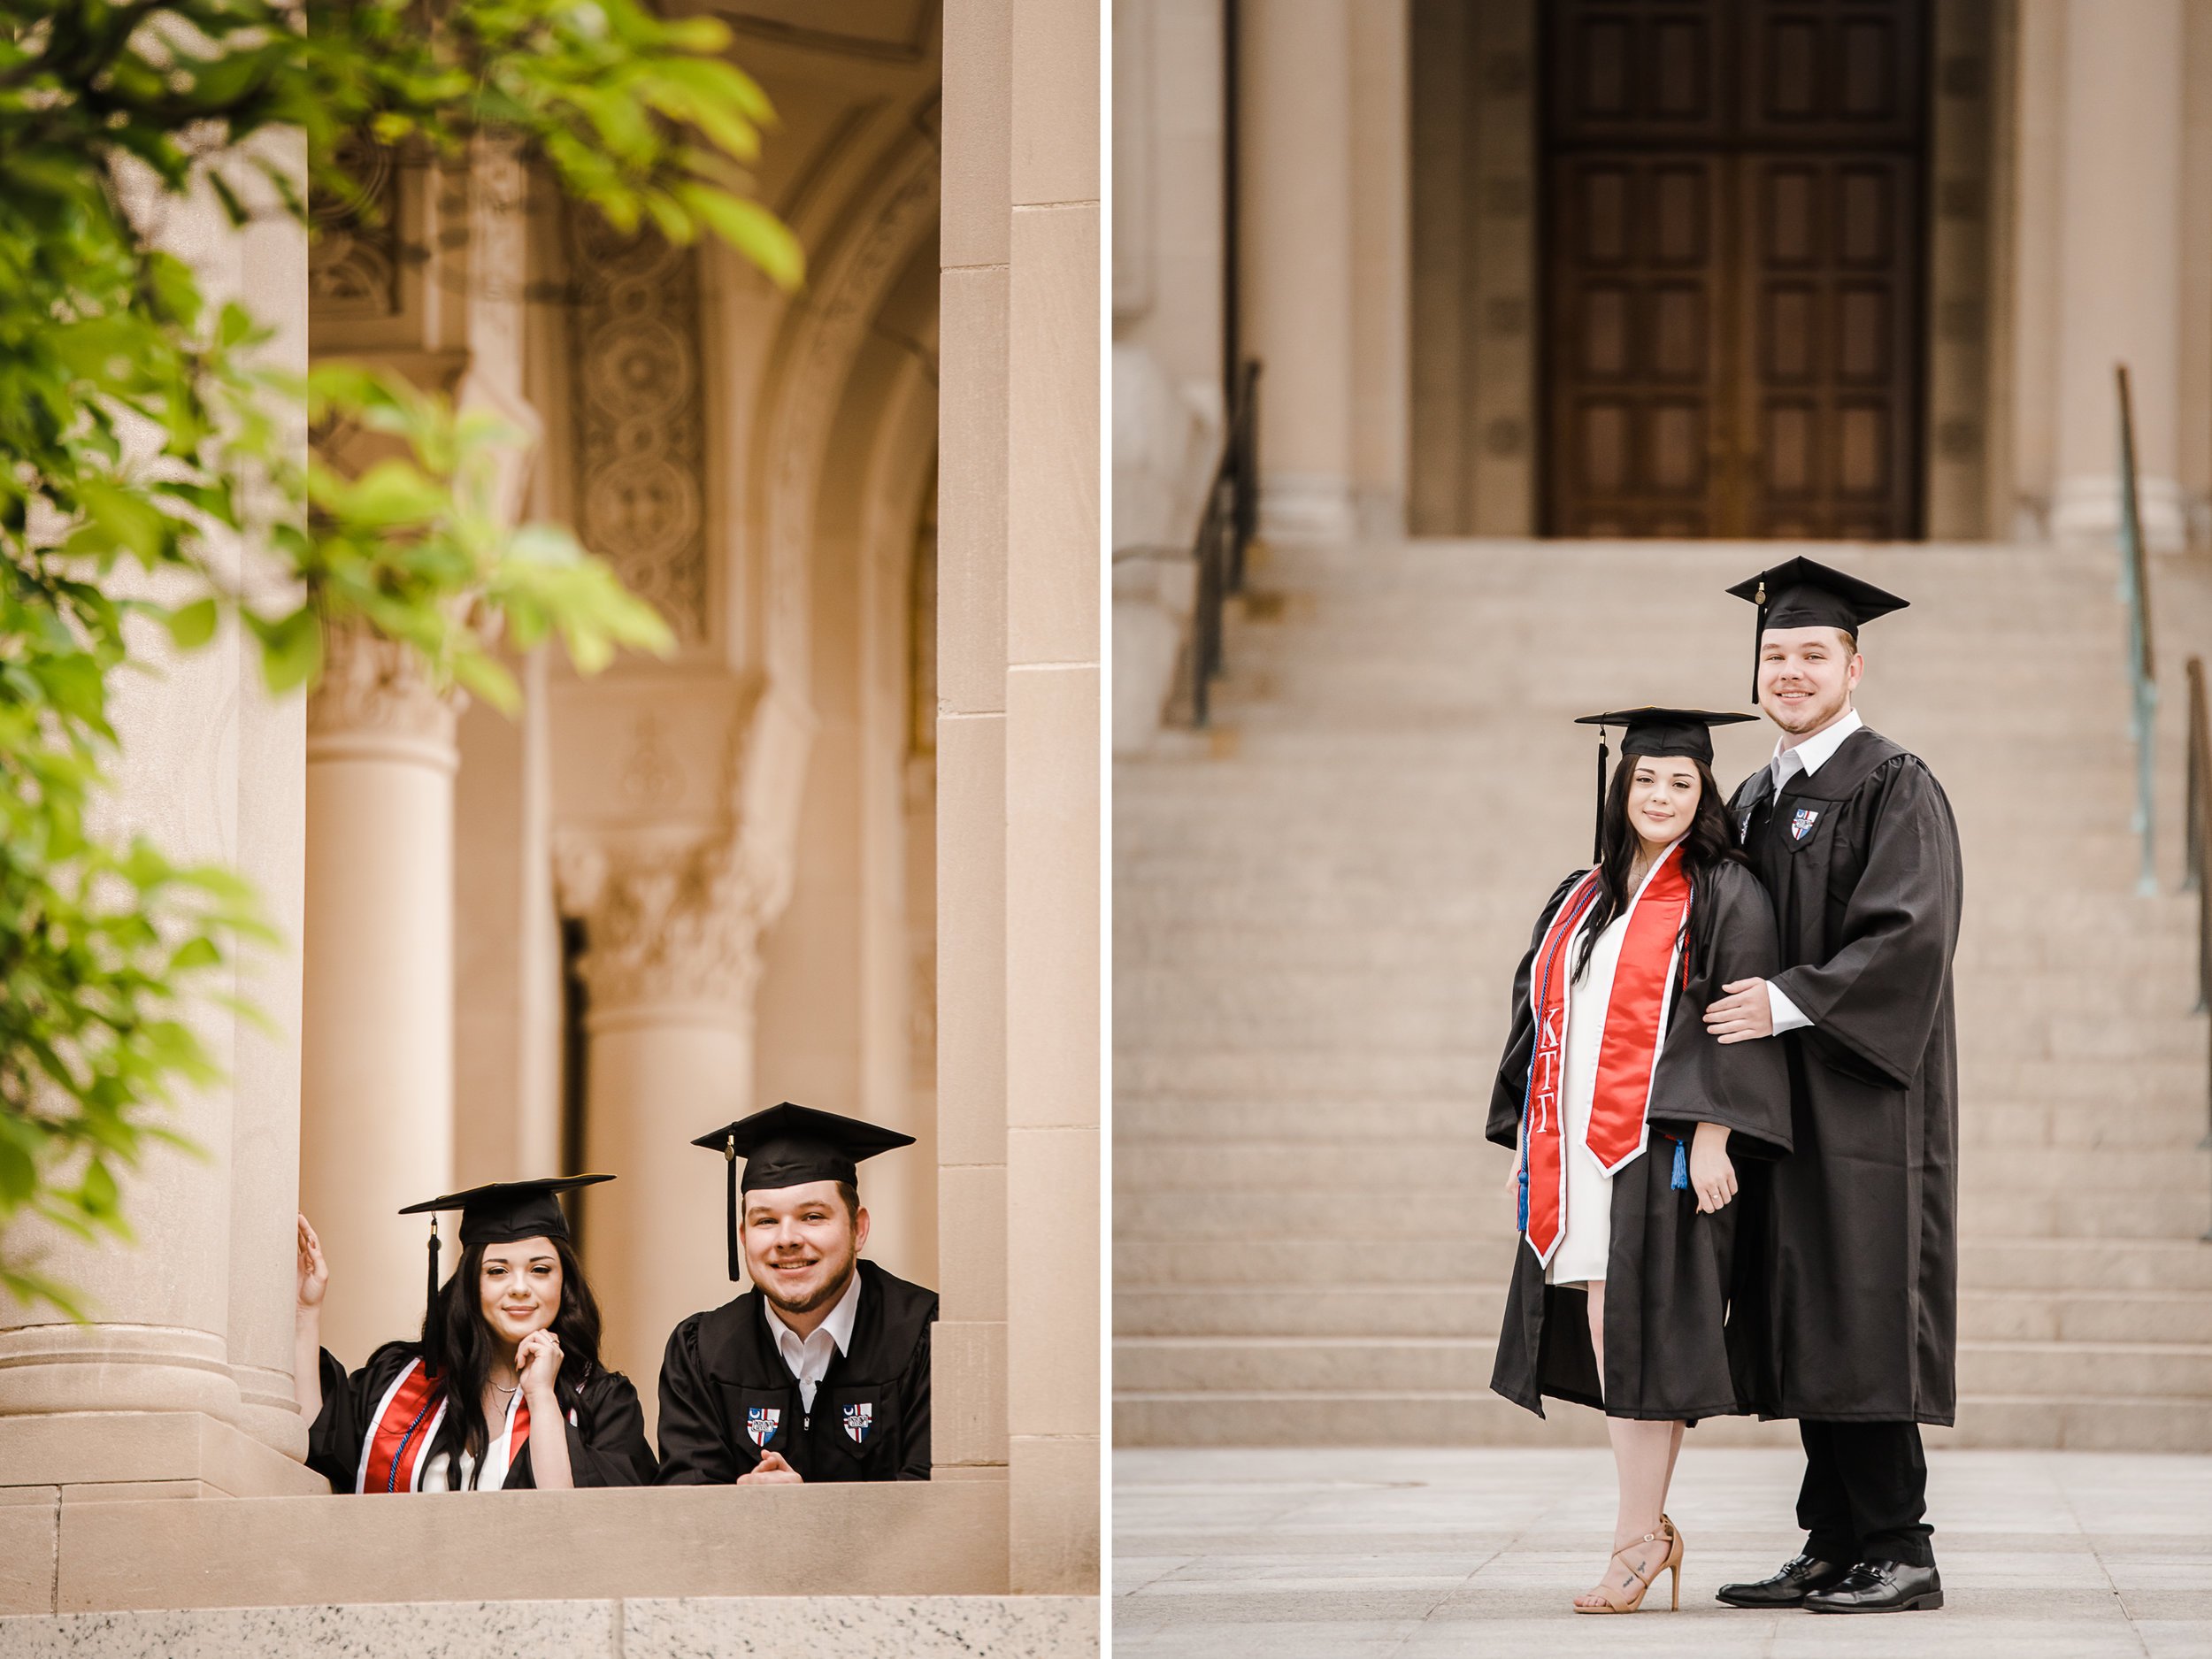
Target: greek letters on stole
(1635, 1029)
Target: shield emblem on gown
(1801, 825)
(760, 1423)
(859, 1420)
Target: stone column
(2120, 293)
(377, 1060)
(178, 1384)
(671, 963)
(148, 1397)
(1168, 229)
(1053, 685)
(968, 1351)
(1297, 256)
(270, 852)
(1382, 267)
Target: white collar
(1812, 753)
(838, 1326)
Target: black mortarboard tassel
(1803, 593)
(1654, 732)
(789, 1145)
(729, 1165)
(498, 1214)
(433, 1331)
(1597, 831)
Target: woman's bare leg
(1643, 1462)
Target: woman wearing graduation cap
(503, 1391)
(1626, 1116)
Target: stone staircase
(1318, 903)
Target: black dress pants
(1865, 1491)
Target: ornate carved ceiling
(886, 30)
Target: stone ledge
(84, 1450)
(909, 1538)
(860, 1627)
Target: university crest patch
(1801, 825)
(860, 1420)
(760, 1423)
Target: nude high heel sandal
(1620, 1600)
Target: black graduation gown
(1668, 1267)
(871, 1416)
(606, 1443)
(1846, 1308)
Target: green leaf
(752, 230)
(127, 519)
(192, 626)
(291, 650)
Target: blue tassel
(1523, 1220)
(1681, 1168)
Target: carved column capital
(374, 701)
(672, 933)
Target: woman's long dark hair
(470, 1344)
(1708, 846)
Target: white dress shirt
(809, 1356)
(1809, 757)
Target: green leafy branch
(145, 439)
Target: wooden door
(1732, 251)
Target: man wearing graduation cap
(821, 1370)
(1845, 1313)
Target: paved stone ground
(1358, 1554)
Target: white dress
(1581, 1254)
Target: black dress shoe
(1801, 1575)
(1880, 1587)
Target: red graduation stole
(407, 1419)
(1635, 1029)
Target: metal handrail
(2135, 591)
(1224, 532)
(2197, 836)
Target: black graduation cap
(789, 1145)
(1654, 732)
(1803, 593)
(498, 1214)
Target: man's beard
(1806, 715)
(832, 1289)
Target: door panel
(1635, 356)
(1826, 295)
(1733, 252)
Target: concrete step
(2166, 1108)
(2131, 945)
(1475, 1205)
(1426, 1364)
(2091, 1422)
(1300, 1260)
(2137, 1007)
(1449, 1163)
(1476, 1310)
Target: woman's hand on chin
(1712, 1177)
(538, 1364)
